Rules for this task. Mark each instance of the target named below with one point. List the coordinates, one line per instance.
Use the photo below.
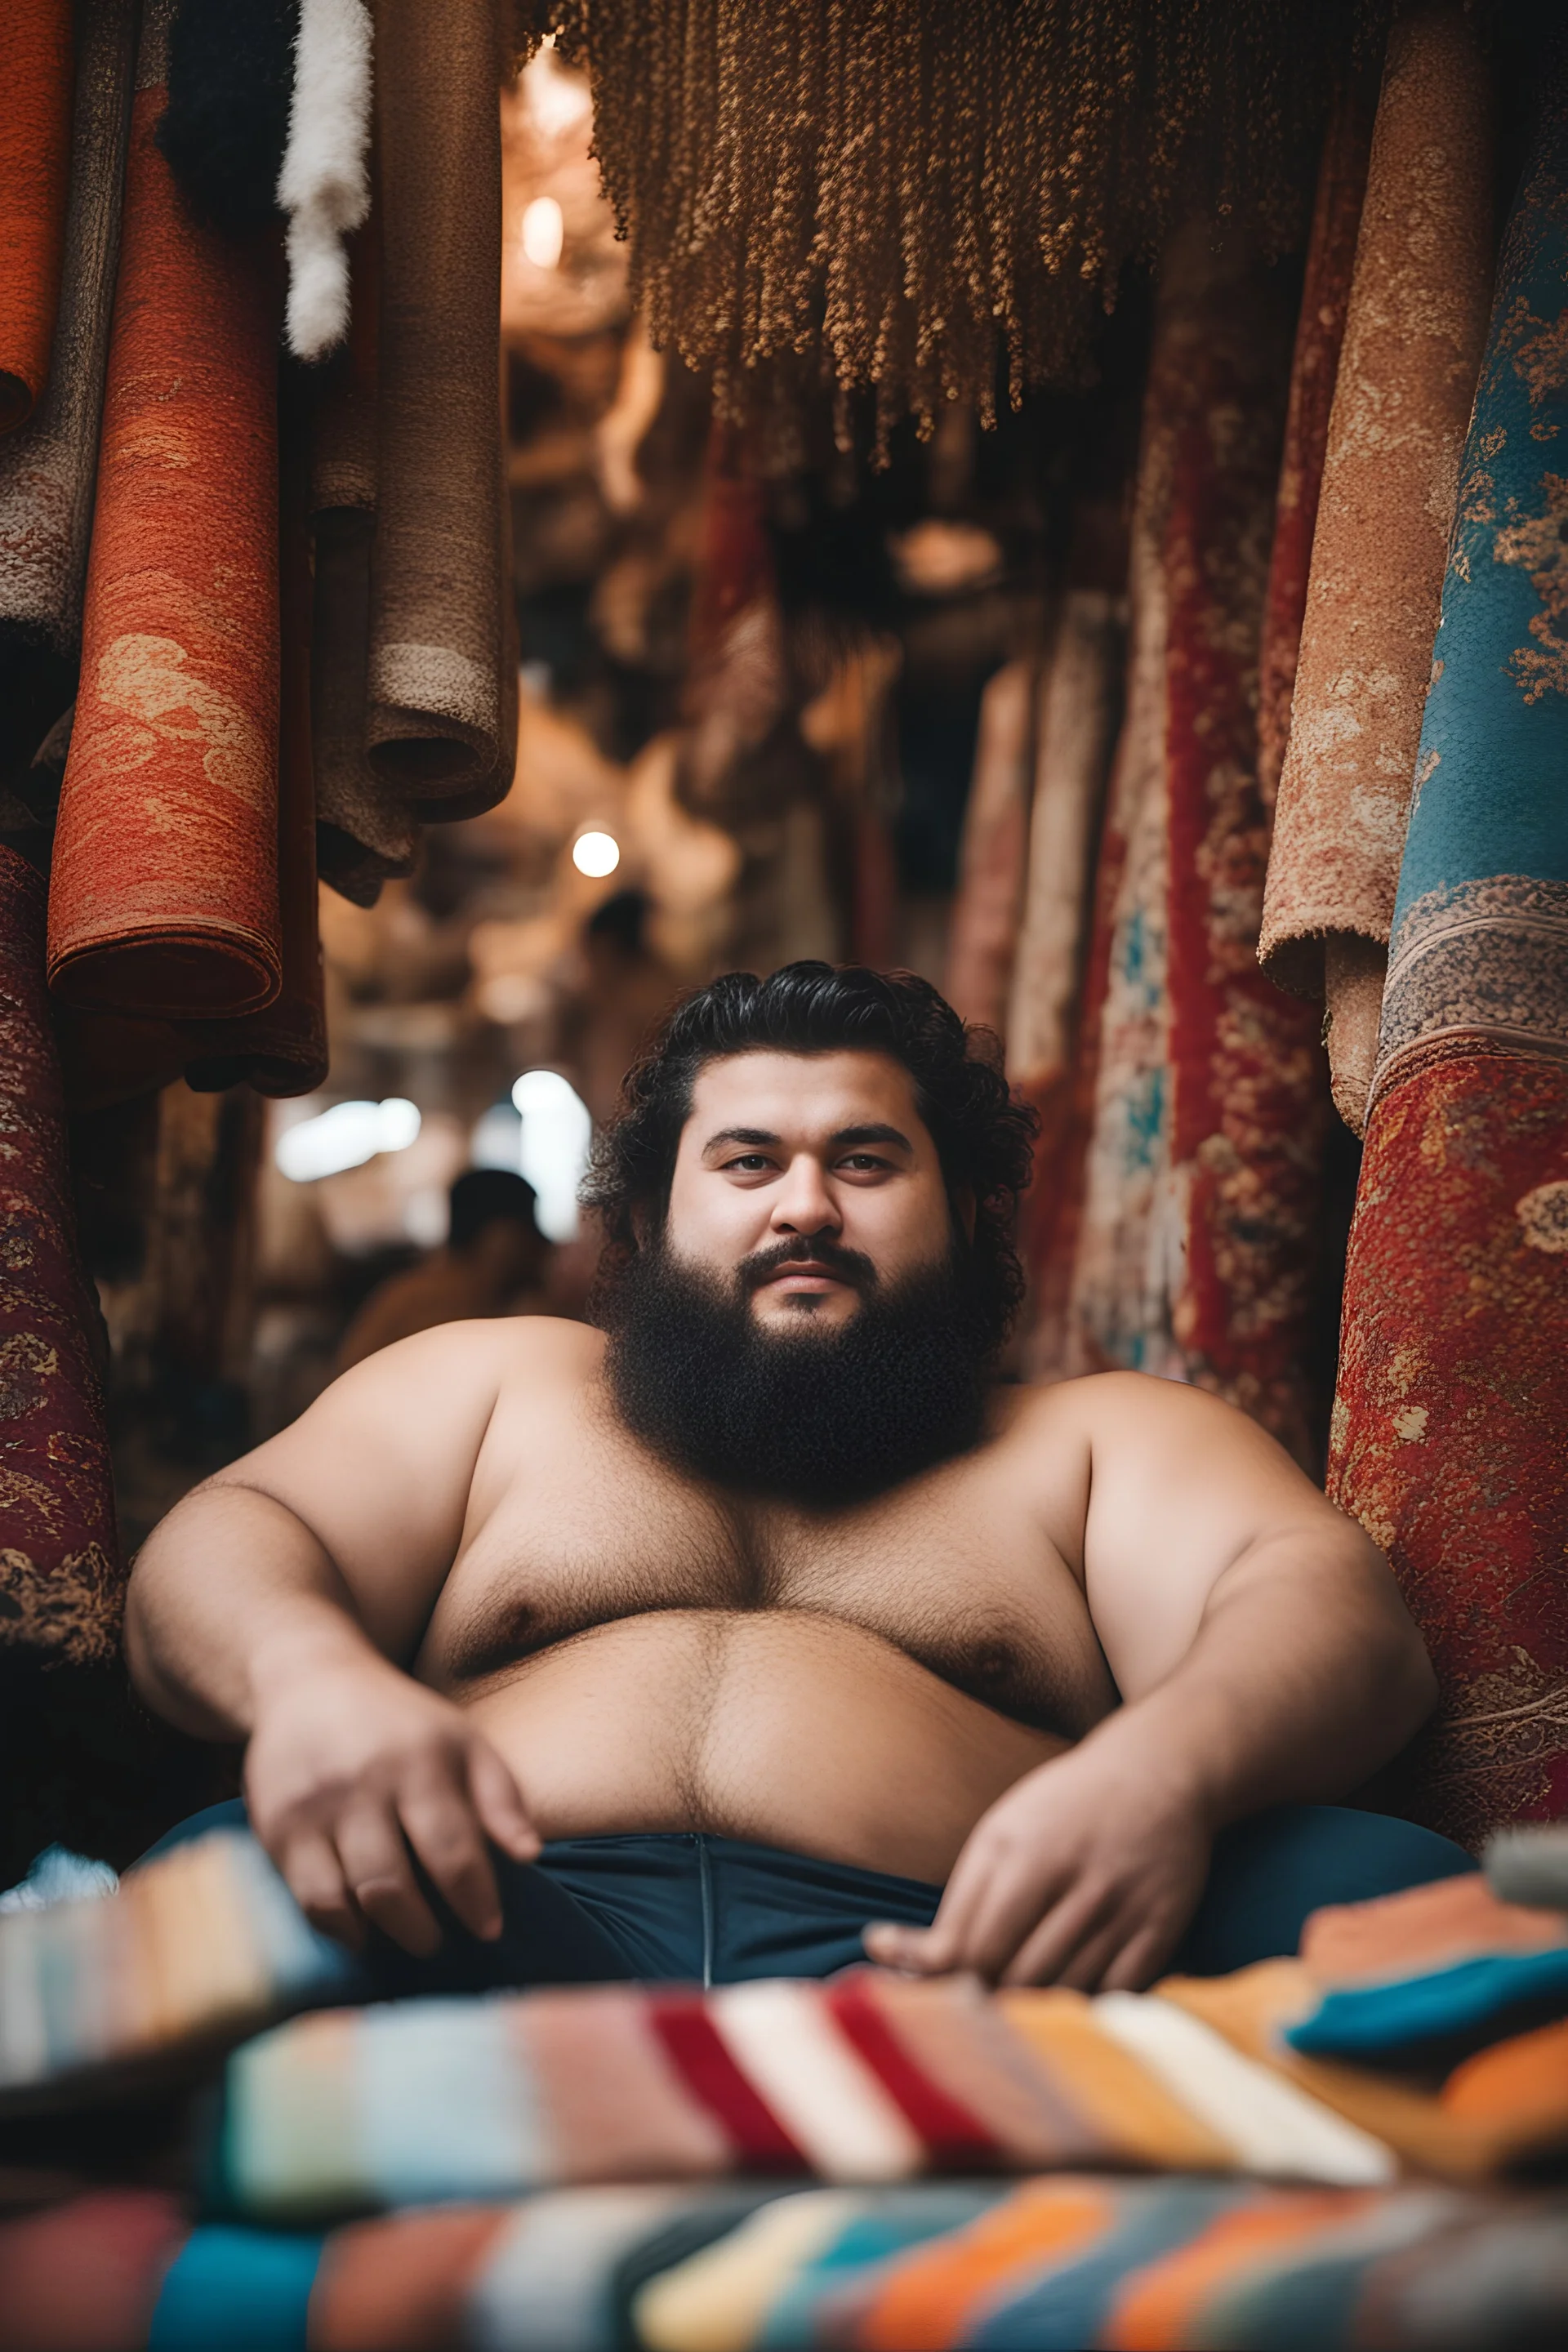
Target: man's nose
(804, 1204)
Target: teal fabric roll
(247, 2290)
(1479, 954)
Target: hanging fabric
(993, 855)
(1314, 369)
(737, 686)
(163, 892)
(61, 1583)
(34, 162)
(1413, 339)
(46, 469)
(324, 183)
(1080, 693)
(282, 1049)
(364, 833)
(442, 722)
(1453, 1400)
(1249, 1086)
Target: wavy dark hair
(984, 1135)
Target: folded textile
(1078, 695)
(200, 1947)
(324, 183)
(994, 856)
(860, 2080)
(164, 893)
(35, 151)
(1443, 2012)
(86, 2271)
(1502, 2108)
(1529, 1865)
(1453, 1379)
(47, 470)
(439, 718)
(1319, 333)
(226, 120)
(1424, 1928)
(1412, 345)
(62, 1581)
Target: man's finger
(314, 1878)
(444, 1833)
(1052, 1941)
(1139, 1962)
(498, 1803)
(376, 1868)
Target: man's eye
(749, 1163)
(862, 1159)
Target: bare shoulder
(542, 1350)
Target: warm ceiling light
(543, 232)
(595, 854)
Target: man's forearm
(231, 1593)
(1299, 1685)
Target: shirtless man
(771, 1618)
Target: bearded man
(767, 1628)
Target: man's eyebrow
(849, 1138)
(750, 1136)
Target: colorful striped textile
(1413, 338)
(1070, 2262)
(193, 1951)
(860, 2080)
(1454, 1379)
(163, 889)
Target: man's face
(812, 1178)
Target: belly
(791, 1729)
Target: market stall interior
(1069, 502)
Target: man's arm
(1263, 1653)
(277, 1604)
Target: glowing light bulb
(595, 854)
(543, 232)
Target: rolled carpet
(364, 834)
(62, 1584)
(1454, 1379)
(1413, 332)
(1249, 1099)
(34, 158)
(1077, 716)
(437, 714)
(989, 900)
(46, 469)
(282, 1049)
(1320, 332)
(164, 897)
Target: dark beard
(819, 1415)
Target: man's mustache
(850, 1265)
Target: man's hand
(351, 1764)
(1084, 1873)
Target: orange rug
(163, 899)
(34, 158)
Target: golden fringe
(922, 201)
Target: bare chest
(954, 1571)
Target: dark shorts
(713, 1910)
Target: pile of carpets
(613, 2166)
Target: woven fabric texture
(163, 895)
(61, 1582)
(34, 162)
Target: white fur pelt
(324, 186)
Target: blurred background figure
(495, 1261)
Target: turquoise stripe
(1062, 2308)
(1364, 2020)
(237, 2291)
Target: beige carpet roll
(1079, 706)
(1416, 320)
(437, 719)
(990, 896)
